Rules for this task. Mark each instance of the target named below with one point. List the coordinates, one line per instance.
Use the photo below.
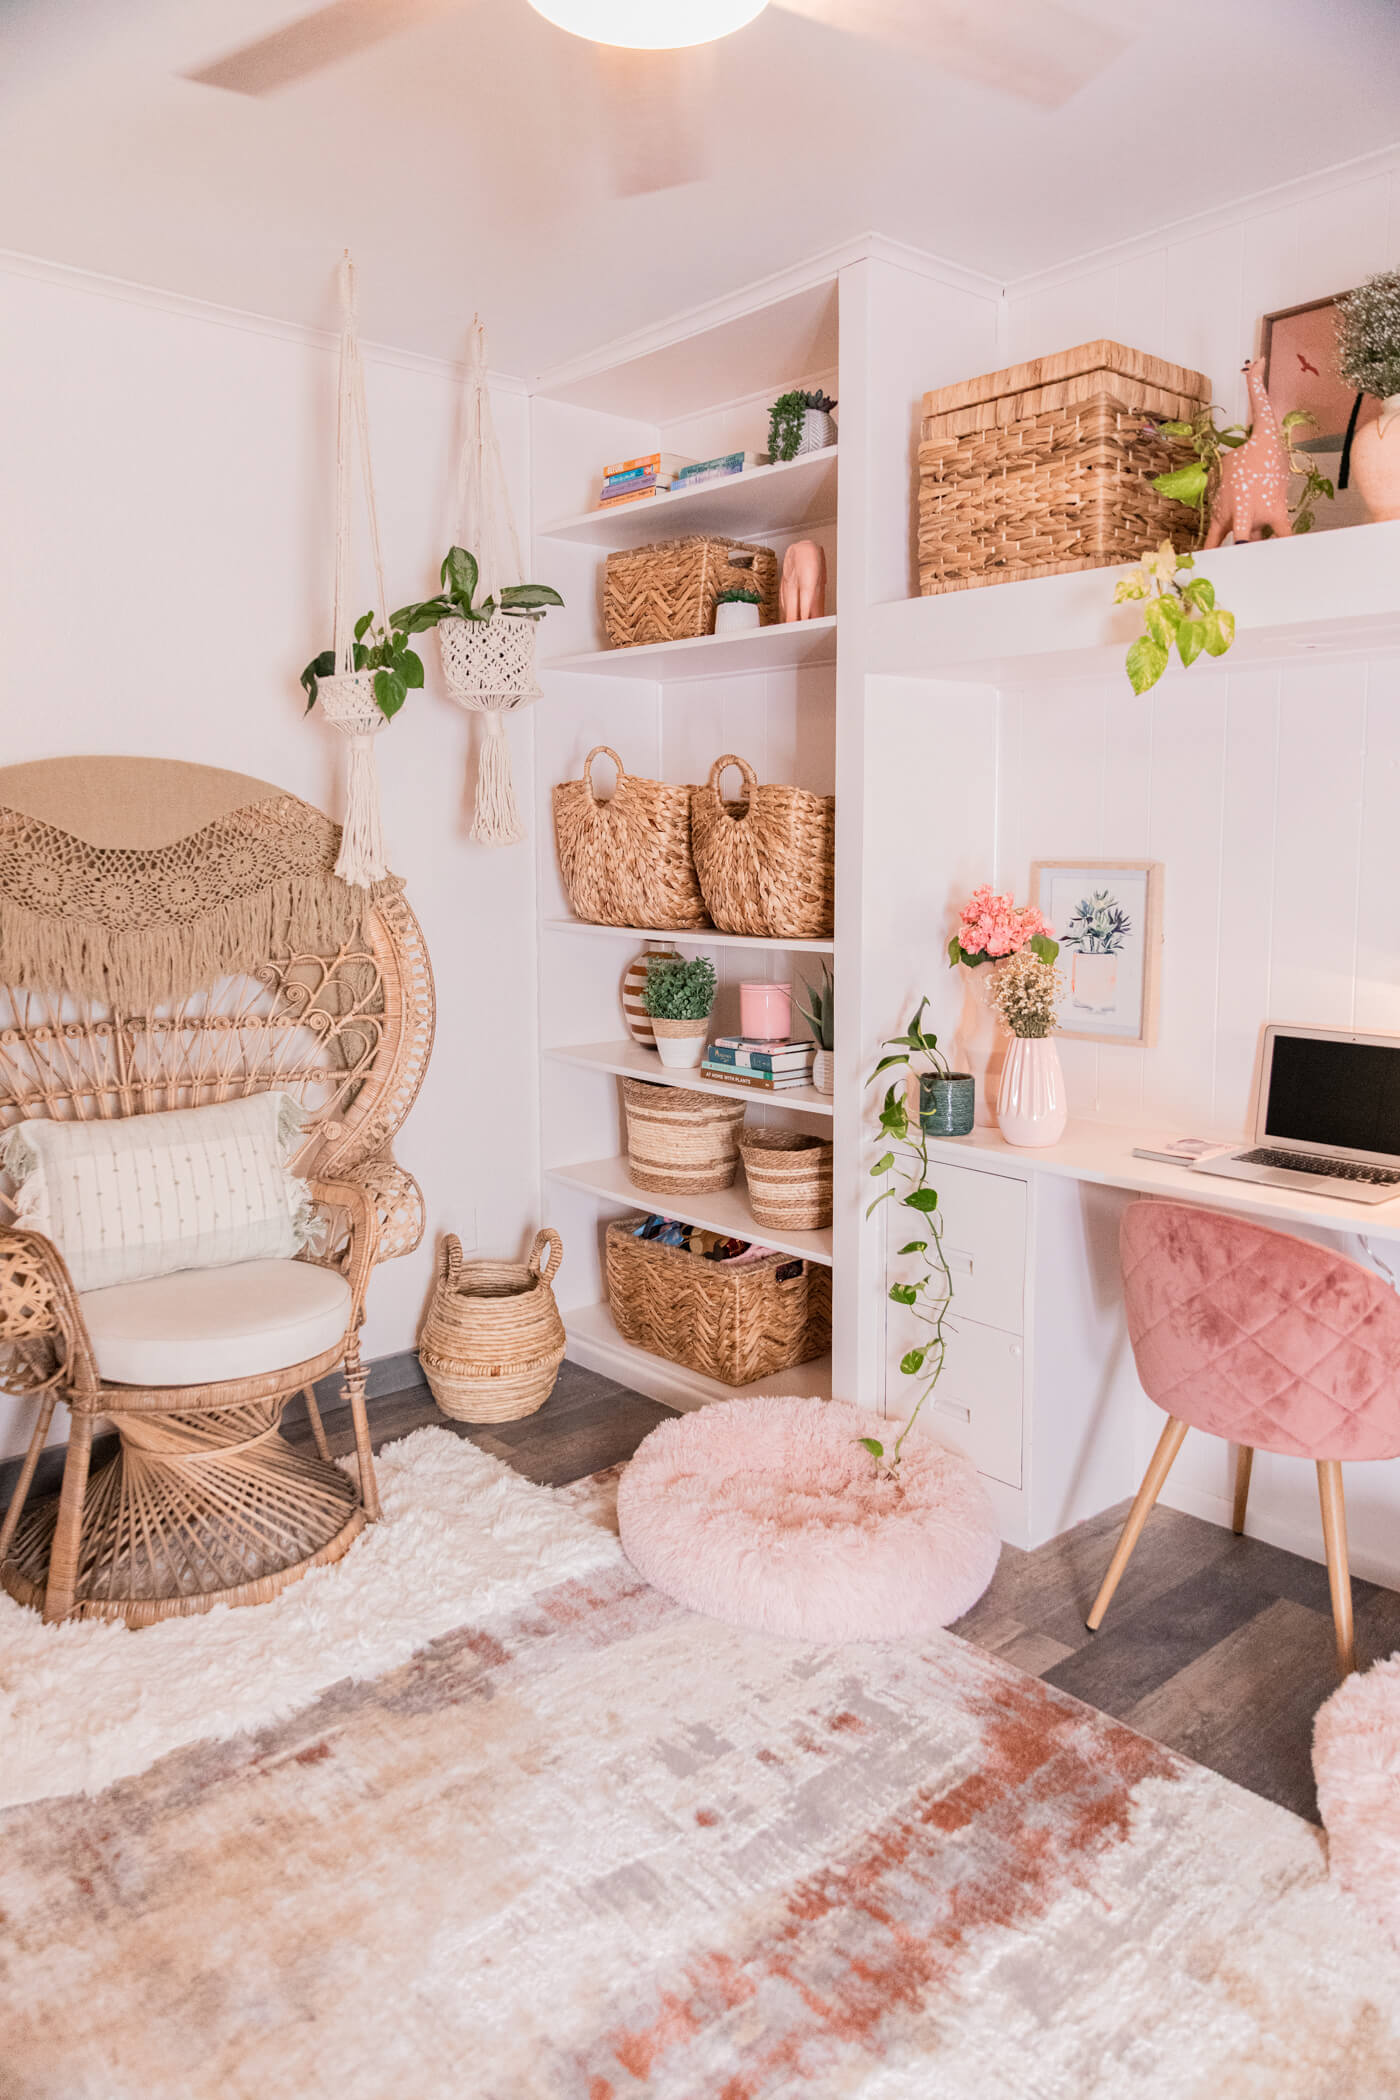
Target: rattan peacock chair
(172, 935)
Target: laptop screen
(1345, 1095)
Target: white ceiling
(461, 159)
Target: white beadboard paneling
(1378, 885)
(1140, 302)
(1338, 235)
(1247, 859)
(1321, 730)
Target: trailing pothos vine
(907, 1159)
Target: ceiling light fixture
(650, 25)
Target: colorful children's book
(726, 463)
(660, 462)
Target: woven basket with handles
(667, 592)
(493, 1341)
(789, 1178)
(767, 865)
(627, 861)
(734, 1321)
(680, 1141)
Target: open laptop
(1327, 1118)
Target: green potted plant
(488, 645)
(677, 1000)
(1184, 615)
(384, 666)
(800, 421)
(820, 1015)
(738, 609)
(1368, 358)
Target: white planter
(818, 431)
(680, 1044)
(824, 1071)
(492, 659)
(1032, 1105)
(736, 617)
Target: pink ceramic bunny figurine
(1253, 488)
(802, 592)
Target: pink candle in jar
(765, 1011)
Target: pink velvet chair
(1272, 1342)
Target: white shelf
(788, 497)
(1323, 591)
(595, 1343)
(721, 1210)
(694, 937)
(634, 1061)
(786, 646)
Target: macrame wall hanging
(489, 665)
(348, 695)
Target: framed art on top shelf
(1107, 917)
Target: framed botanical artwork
(1107, 917)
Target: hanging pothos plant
(396, 667)
(457, 598)
(905, 1161)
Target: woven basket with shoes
(734, 1321)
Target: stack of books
(767, 1066)
(632, 480)
(722, 469)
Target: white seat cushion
(200, 1326)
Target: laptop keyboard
(1331, 1169)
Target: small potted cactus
(738, 609)
(798, 422)
(820, 1015)
(677, 1001)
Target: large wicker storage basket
(493, 1340)
(767, 865)
(627, 861)
(733, 1322)
(1046, 467)
(680, 1142)
(667, 592)
(790, 1179)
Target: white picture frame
(1107, 917)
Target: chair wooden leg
(1334, 1533)
(1168, 1444)
(313, 1416)
(1244, 1465)
(354, 1392)
(64, 1555)
(27, 1472)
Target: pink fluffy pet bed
(1356, 1761)
(767, 1513)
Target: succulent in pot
(678, 1000)
(800, 421)
(737, 609)
(820, 1015)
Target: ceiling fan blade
(653, 112)
(314, 41)
(1039, 51)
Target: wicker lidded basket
(767, 865)
(727, 1320)
(493, 1340)
(679, 1141)
(790, 1178)
(627, 861)
(1045, 467)
(667, 592)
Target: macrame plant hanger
(489, 665)
(348, 696)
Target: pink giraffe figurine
(1253, 488)
(802, 592)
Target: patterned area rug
(590, 1846)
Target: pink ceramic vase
(1032, 1105)
(1375, 461)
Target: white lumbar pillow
(186, 1188)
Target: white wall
(165, 571)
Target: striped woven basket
(493, 1340)
(790, 1179)
(680, 1142)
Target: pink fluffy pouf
(1356, 1762)
(768, 1513)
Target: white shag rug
(462, 1536)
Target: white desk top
(1103, 1152)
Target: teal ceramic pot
(946, 1105)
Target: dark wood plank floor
(1218, 1646)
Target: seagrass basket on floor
(1046, 467)
(667, 592)
(790, 1178)
(679, 1141)
(627, 861)
(766, 864)
(727, 1320)
(493, 1340)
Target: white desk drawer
(976, 1405)
(984, 1239)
